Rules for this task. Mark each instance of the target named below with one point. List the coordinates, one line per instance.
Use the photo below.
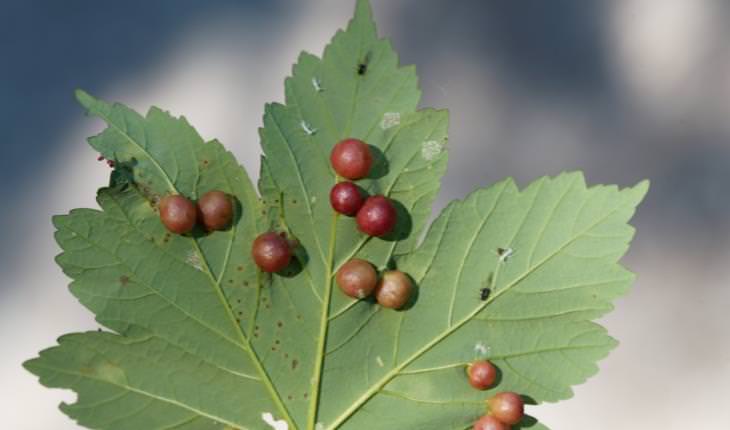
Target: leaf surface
(200, 339)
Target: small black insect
(484, 293)
(362, 66)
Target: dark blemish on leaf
(505, 253)
(286, 355)
(279, 324)
(484, 293)
(294, 364)
(205, 162)
(289, 397)
(362, 66)
(245, 283)
(277, 341)
(300, 318)
(240, 268)
(256, 328)
(273, 348)
(306, 395)
(238, 300)
(238, 320)
(294, 201)
(124, 280)
(268, 306)
(230, 281)
(99, 330)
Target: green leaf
(535, 325)
(200, 339)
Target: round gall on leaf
(351, 159)
(488, 422)
(377, 217)
(482, 374)
(346, 198)
(271, 252)
(394, 289)
(216, 210)
(357, 278)
(177, 213)
(507, 407)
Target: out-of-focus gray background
(622, 89)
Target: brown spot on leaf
(124, 280)
(294, 364)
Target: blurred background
(622, 89)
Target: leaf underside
(199, 339)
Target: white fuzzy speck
(275, 424)
(316, 84)
(193, 259)
(313, 199)
(505, 254)
(319, 426)
(481, 349)
(430, 149)
(379, 361)
(390, 119)
(307, 128)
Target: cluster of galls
(357, 278)
(180, 215)
(375, 216)
(505, 408)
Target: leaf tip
(642, 187)
(363, 11)
(363, 16)
(85, 99)
(29, 365)
(638, 192)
